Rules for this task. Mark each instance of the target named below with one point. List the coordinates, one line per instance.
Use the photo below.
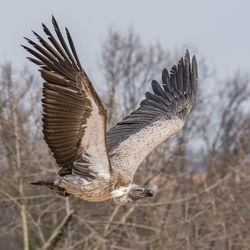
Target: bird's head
(132, 193)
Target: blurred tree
(192, 208)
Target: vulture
(96, 165)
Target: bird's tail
(51, 184)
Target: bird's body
(99, 189)
(95, 165)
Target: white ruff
(120, 192)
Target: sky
(216, 29)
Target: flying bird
(96, 165)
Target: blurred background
(201, 176)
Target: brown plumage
(95, 166)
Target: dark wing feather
(160, 115)
(74, 118)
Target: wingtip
(194, 66)
(165, 75)
(53, 18)
(154, 82)
(187, 57)
(67, 31)
(54, 22)
(44, 27)
(25, 47)
(29, 41)
(68, 34)
(173, 70)
(34, 33)
(194, 59)
(165, 71)
(181, 62)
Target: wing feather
(74, 117)
(160, 115)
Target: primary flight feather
(95, 165)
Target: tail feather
(44, 183)
(50, 183)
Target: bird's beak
(148, 192)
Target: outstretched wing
(161, 114)
(74, 118)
